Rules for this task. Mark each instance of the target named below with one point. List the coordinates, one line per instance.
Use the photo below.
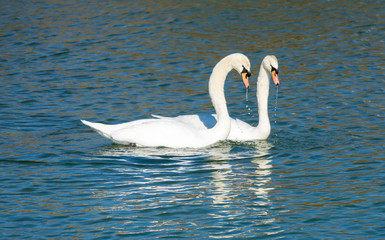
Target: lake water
(320, 175)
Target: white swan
(170, 133)
(242, 131)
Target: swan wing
(161, 133)
(107, 129)
(240, 130)
(197, 121)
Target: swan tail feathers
(102, 129)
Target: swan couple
(195, 131)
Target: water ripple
(319, 175)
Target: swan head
(270, 64)
(242, 65)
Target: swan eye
(273, 69)
(248, 74)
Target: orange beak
(274, 75)
(245, 79)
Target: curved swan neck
(262, 96)
(217, 95)
(217, 85)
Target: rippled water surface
(320, 175)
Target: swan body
(240, 130)
(167, 132)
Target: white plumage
(178, 134)
(240, 130)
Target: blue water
(320, 175)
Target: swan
(240, 130)
(166, 132)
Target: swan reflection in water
(244, 181)
(219, 160)
(231, 179)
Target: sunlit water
(320, 175)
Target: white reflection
(223, 176)
(218, 150)
(262, 173)
(243, 180)
(237, 180)
(220, 181)
(156, 166)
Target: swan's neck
(262, 96)
(217, 95)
